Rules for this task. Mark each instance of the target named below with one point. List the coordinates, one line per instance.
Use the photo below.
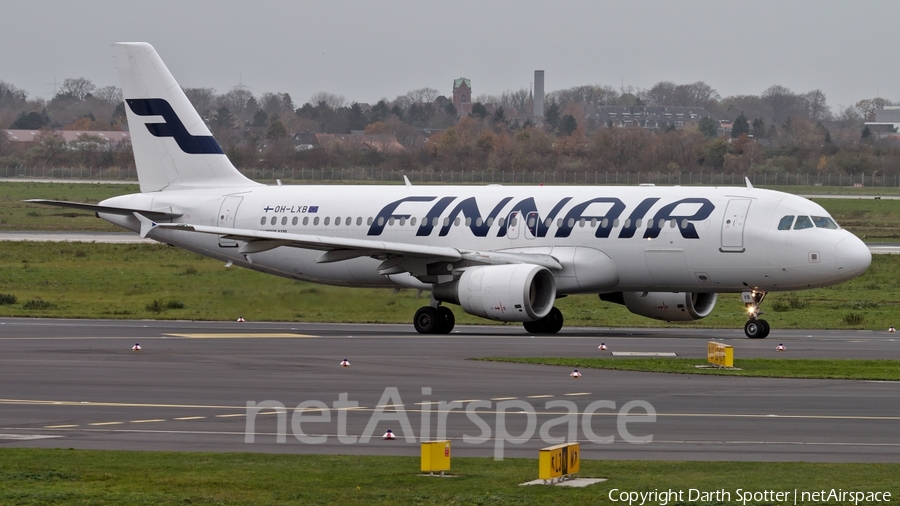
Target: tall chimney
(538, 97)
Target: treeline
(776, 131)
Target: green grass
(17, 215)
(871, 220)
(50, 477)
(84, 280)
(850, 369)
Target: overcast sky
(368, 50)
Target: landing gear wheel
(765, 330)
(446, 320)
(756, 329)
(426, 320)
(550, 324)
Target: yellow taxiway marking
(468, 400)
(59, 426)
(232, 415)
(191, 418)
(538, 396)
(106, 423)
(504, 398)
(149, 421)
(242, 335)
(578, 393)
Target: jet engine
(666, 306)
(509, 293)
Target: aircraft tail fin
(173, 148)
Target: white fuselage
(672, 239)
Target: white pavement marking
(643, 354)
(25, 437)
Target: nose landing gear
(755, 328)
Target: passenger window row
(348, 221)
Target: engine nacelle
(509, 293)
(670, 307)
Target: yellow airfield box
(719, 354)
(435, 456)
(558, 461)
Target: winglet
(146, 224)
(406, 181)
(747, 179)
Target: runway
(77, 384)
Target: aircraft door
(513, 224)
(733, 225)
(532, 222)
(227, 214)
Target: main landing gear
(434, 320)
(550, 324)
(755, 328)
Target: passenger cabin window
(803, 222)
(824, 222)
(262, 221)
(785, 223)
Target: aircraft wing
(337, 249)
(158, 214)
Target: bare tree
(276, 104)
(517, 100)
(236, 100)
(865, 109)
(661, 94)
(816, 106)
(333, 101)
(423, 95)
(111, 94)
(203, 99)
(698, 94)
(77, 87)
(781, 101)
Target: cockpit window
(803, 222)
(785, 223)
(824, 222)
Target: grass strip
(807, 368)
(41, 476)
(81, 280)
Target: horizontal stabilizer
(158, 214)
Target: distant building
(886, 122)
(382, 143)
(70, 136)
(462, 96)
(649, 117)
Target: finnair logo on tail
(173, 127)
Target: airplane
(504, 253)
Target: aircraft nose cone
(853, 257)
